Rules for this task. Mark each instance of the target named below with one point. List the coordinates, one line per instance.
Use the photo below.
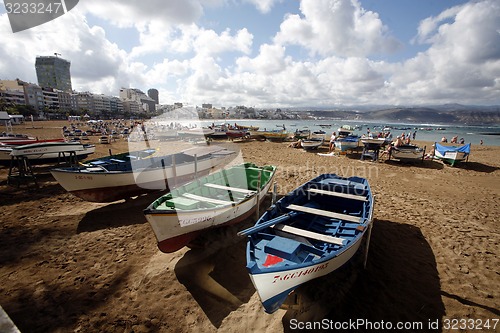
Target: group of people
(453, 140)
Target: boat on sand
(407, 153)
(46, 152)
(346, 140)
(226, 197)
(133, 173)
(452, 154)
(310, 232)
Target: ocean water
(433, 132)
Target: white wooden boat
(46, 152)
(375, 141)
(133, 173)
(225, 197)
(407, 153)
(315, 141)
(452, 154)
(308, 233)
(195, 132)
(278, 135)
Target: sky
(272, 53)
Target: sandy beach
(67, 265)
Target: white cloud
(463, 60)
(336, 27)
(127, 13)
(263, 6)
(190, 63)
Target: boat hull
(45, 155)
(175, 228)
(111, 186)
(451, 154)
(273, 288)
(173, 236)
(408, 153)
(311, 144)
(310, 232)
(345, 145)
(452, 158)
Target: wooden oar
(264, 225)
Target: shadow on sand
(425, 164)
(216, 275)
(400, 284)
(48, 307)
(476, 166)
(117, 214)
(215, 271)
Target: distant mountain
(447, 113)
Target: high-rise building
(146, 103)
(153, 93)
(53, 72)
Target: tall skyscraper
(53, 72)
(153, 93)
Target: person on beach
(454, 139)
(296, 144)
(462, 141)
(396, 143)
(332, 142)
(430, 154)
(444, 139)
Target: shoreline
(71, 265)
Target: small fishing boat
(219, 132)
(20, 142)
(222, 198)
(245, 127)
(407, 153)
(129, 174)
(277, 135)
(375, 141)
(346, 140)
(46, 152)
(452, 154)
(196, 132)
(5, 137)
(301, 134)
(315, 141)
(308, 233)
(236, 133)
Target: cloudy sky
(272, 53)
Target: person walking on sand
(332, 142)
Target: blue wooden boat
(346, 140)
(308, 233)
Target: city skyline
(273, 53)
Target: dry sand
(67, 265)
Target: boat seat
(206, 199)
(180, 203)
(338, 194)
(325, 213)
(257, 169)
(229, 188)
(309, 234)
(96, 169)
(347, 232)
